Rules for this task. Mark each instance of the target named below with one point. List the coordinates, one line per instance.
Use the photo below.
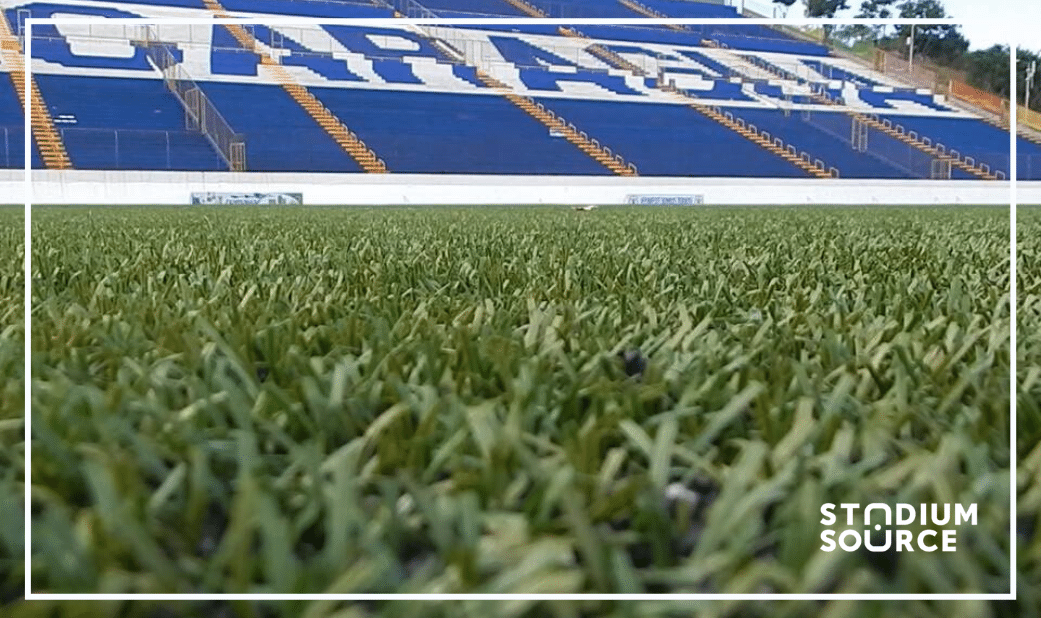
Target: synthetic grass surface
(430, 400)
(1028, 405)
(12, 402)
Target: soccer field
(432, 399)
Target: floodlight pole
(910, 52)
(1030, 80)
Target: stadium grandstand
(673, 101)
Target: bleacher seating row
(473, 7)
(422, 110)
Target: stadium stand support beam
(347, 139)
(922, 143)
(601, 154)
(48, 139)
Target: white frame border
(383, 22)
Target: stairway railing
(200, 112)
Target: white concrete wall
(124, 187)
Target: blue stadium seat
(983, 142)
(309, 8)
(776, 69)
(12, 129)
(681, 71)
(280, 135)
(359, 40)
(672, 140)
(642, 34)
(830, 71)
(115, 123)
(221, 38)
(832, 146)
(395, 71)
(525, 54)
(775, 45)
(104, 103)
(1028, 166)
(775, 92)
(675, 8)
(720, 68)
(10, 108)
(48, 44)
(883, 100)
(751, 37)
(57, 50)
(233, 61)
(521, 29)
(452, 133)
(467, 73)
(322, 64)
(12, 147)
(721, 90)
(473, 7)
(48, 9)
(770, 90)
(106, 149)
(540, 79)
(191, 4)
(145, 123)
(585, 8)
(227, 59)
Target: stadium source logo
(879, 534)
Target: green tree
(987, 69)
(825, 8)
(942, 43)
(818, 8)
(873, 9)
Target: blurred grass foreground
(432, 400)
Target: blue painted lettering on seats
(524, 54)
(541, 79)
(51, 45)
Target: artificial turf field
(430, 400)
